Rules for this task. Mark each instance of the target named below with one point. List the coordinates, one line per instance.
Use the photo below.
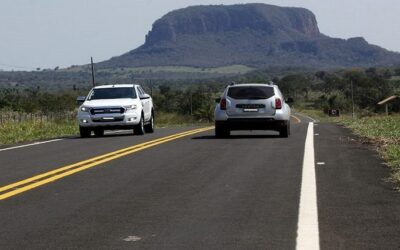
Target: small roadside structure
(387, 101)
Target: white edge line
(307, 227)
(29, 145)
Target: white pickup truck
(110, 107)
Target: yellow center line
(296, 118)
(62, 172)
(55, 171)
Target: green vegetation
(176, 120)
(32, 130)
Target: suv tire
(221, 131)
(285, 130)
(84, 132)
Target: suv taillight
(222, 104)
(278, 103)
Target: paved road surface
(193, 191)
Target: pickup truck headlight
(84, 109)
(130, 107)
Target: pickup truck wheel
(139, 129)
(84, 132)
(285, 131)
(222, 131)
(149, 128)
(99, 132)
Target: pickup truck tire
(222, 131)
(99, 132)
(149, 128)
(285, 130)
(139, 129)
(84, 132)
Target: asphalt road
(193, 191)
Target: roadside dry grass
(25, 131)
(381, 131)
(176, 120)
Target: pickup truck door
(145, 99)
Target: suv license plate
(250, 110)
(108, 118)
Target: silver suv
(252, 106)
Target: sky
(50, 33)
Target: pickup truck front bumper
(109, 121)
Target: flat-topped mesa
(263, 18)
(254, 35)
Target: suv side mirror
(218, 100)
(290, 100)
(80, 99)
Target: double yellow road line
(56, 174)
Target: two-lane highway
(184, 189)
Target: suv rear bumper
(252, 124)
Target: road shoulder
(357, 208)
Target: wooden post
(387, 109)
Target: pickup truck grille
(108, 119)
(98, 111)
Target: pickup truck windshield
(112, 93)
(250, 92)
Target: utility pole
(91, 62)
(352, 99)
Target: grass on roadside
(383, 131)
(25, 131)
(163, 120)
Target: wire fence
(16, 117)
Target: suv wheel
(139, 129)
(99, 132)
(221, 131)
(149, 128)
(285, 130)
(84, 132)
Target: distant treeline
(320, 90)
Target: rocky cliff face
(256, 35)
(266, 19)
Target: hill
(255, 35)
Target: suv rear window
(251, 92)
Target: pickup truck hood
(110, 102)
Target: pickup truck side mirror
(218, 100)
(80, 99)
(144, 97)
